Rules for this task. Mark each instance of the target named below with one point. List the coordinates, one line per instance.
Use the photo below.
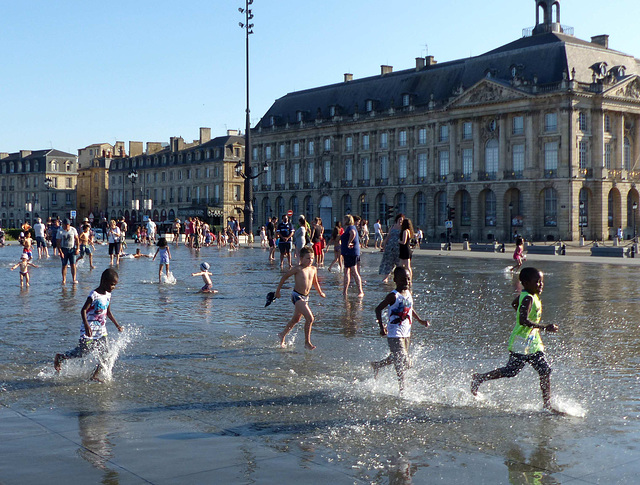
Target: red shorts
(317, 249)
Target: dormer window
(368, 105)
(406, 100)
(298, 116)
(272, 120)
(332, 111)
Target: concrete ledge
(484, 248)
(533, 249)
(436, 246)
(610, 252)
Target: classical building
(34, 184)
(539, 136)
(179, 180)
(93, 178)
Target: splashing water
(168, 279)
(116, 347)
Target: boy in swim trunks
(306, 276)
(206, 277)
(525, 344)
(24, 264)
(86, 239)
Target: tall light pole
(48, 182)
(635, 209)
(133, 177)
(581, 206)
(248, 187)
(510, 221)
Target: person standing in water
(165, 257)
(525, 344)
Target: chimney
(177, 143)
(602, 40)
(430, 61)
(118, 150)
(153, 147)
(3, 155)
(232, 132)
(385, 70)
(25, 153)
(420, 62)
(348, 77)
(205, 135)
(135, 148)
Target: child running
(24, 264)
(93, 332)
(165, 257)
(398, 330)
(525, 344)
(206, 277)
(306, 276)
(86, 239)
(518, 254)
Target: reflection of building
(24, 193)
(93, 178)
(543, 133)
(181, 179)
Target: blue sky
(81, 72)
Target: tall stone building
(539, 136)
(180, 179)
(39, 183)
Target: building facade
(35, 184)
(540, 136)
(179, 179)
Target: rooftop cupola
(547, 17)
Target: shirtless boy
(305, 276)
(86, 239)
(206, 278)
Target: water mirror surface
(213, 363)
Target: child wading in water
(306, 276)
(398, 330)
(93, 333)
(24, 264)
(525, 344)
(518, 254)
(165, 257)
(206, 277)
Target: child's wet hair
(305, 250)
(162, 242)
(528, 274)
(396, 272)
(109, 275)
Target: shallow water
(213, 360)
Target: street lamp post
(510, 221)
(581, 221)
(248, 188)
(133, 177)
(48, 182)
(635, 209)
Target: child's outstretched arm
(389, 300)
(15, 266)
(199, 273)
(284, 278)
(113, 319)
(426, 323)
(154, 256)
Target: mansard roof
(38, 154)
(542, 59)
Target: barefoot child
(206, 277)
(93, 333)
(24, 264)
(518, 254)
(525, 344)
(398, 330)
(306, 276)
(86, 239)
(165, 257)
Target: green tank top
(526, 340)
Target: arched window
(54, 165)
(364, 207)
(421, 209)
(550, 207)
(308, 207)
(492, 157)
(280, 206)
(295, 205)
(266, 209)
(441, 208)
(27, 166)
(401, 203)
(465, 208)
(382, 207)
(489, 208)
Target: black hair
(528, 274)
(396, 271)
(519, 241)
(109, 275)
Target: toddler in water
(165, 257)
(93, 333)
(518, 254)
(398, 330)
(306, 276)
(24, 264)
(206, 277)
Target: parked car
(98, 235)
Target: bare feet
(75, 282)
(309, 346)
(374, 366)
(361, 294)
(92, 267)
(56, 362)
(282, 336)
(475, 384)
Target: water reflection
(97, 448)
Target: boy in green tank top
(525, 344)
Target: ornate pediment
(629, 90)
(486, 92)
